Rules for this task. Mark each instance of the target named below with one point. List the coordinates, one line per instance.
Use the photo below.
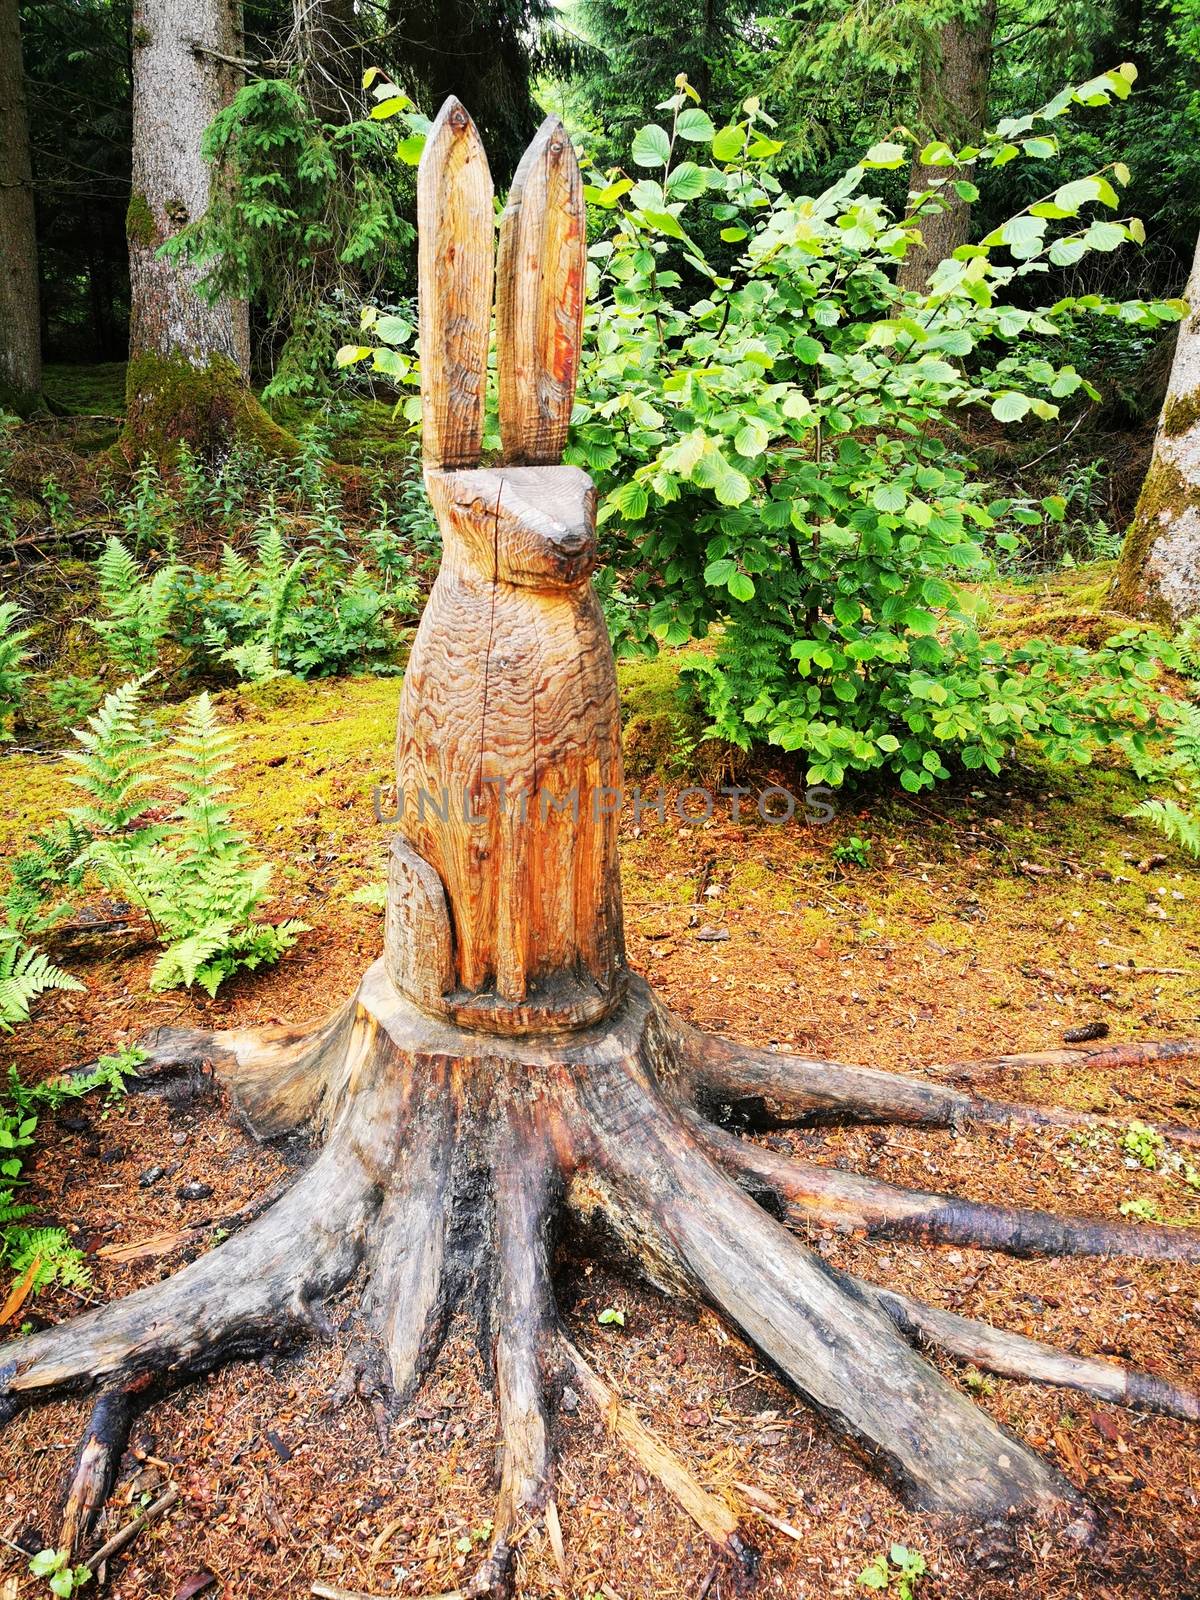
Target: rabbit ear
(456, 226)
(539, 298)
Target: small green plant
(611, 1317)
(13, 656)
(44, 1255)
(256, 607)
(1141, 1209)
(372, 895)
(1145, 1145)
(55, 1566)
(73, 698)
(148, 513)
(853, 851)
(57, 502)
(25, 973)
(138, 608)
(900, 1572)
(193, 873)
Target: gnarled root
(445, 1157)
(1012, 1355)
(850, 1201)
(768, 1089)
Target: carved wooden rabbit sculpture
(505, 910)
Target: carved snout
(532, 526)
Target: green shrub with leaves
(191, 871)
(787, 464)
(774, 433)
(13, 656)
(139, 608)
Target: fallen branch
(131, 1529)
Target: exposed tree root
(1106, 1058)
(445, 1157)
(1012, 1355)
(99, 1456)
(769, 1089)
(852, 1201)
(711, 1515)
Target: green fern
(25, 973)
(58, 1260)
(139, 609)
(1173, 821)
(260, 602)
(114, 761)
(194, 875)
(13, 656)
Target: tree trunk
(20, 323)
(1159, 572)
(952, 105)
(189, 359)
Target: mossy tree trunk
(20, 329)
(189, 357)
(952, 105)
(1159, 572)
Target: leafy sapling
(900, 1572)
(55, 1566)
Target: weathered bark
(499, 1067)
(189, 358)
(20, 322)
(1159, 572)
(952, 99)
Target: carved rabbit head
(530, 523)
(532, 526)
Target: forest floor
(989, 918)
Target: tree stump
(500, 1066)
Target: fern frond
(113, 761)
(25, 973)
(1171, 819)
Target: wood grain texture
(539, 298)
(417, 941)
(456, 250)
(508, 754)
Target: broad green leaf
(685, 182)
(391, 107)
(409, 150)
(885, 154)
(651, 146)
(1010, 407)
(695, 124)
(741, 587)
(728, 144)
(393, 329)
(663, 222)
